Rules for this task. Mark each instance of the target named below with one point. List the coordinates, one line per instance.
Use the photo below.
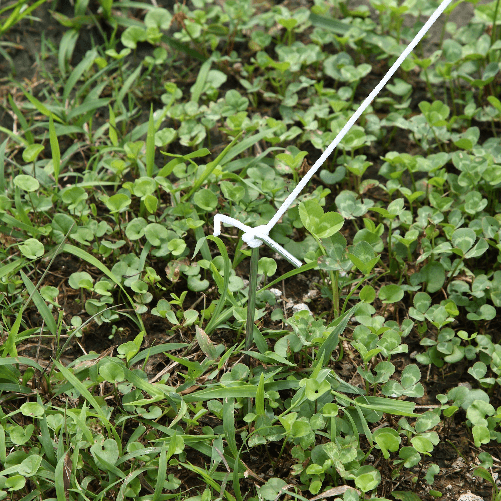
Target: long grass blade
(56, 152)
(150, 145)
(41, 305)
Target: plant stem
(251, 302)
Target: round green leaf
(478, 370)
(197, 285)
(73, 195)
(30, 465)
(267, 266)
(32, 248)
(49, 293)
(15, 483)
(367, 294)
(463, 239)
(155, 233)
(151, 203)
(481, 435)
(330, 410)
(328, 177)
(26, 183)
(410, 456)
(314, 389)
(80, 279)
(132, 35)
(118, 202)
(387, 439)
(111, 372)
(362, 255)
(422, 444)
(485, 312)
(271, 489)
(31, 153)
(300, 429)
(176, 246)
(422, 301)
(32, 409)
(316, 222)
(310, 213)
(19, 435)
(135, 228)
(139, 287)
(205, 199)
(427, 421)
(329, 224)
(410, 376)
(107, 450)
(144, 186)
(391, 293)
(153, 412)
(367, 478)
(159, 17)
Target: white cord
(255, 236)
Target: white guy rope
(255, 236)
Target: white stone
(276, 292)
(311, 295)
(300, 307)
(468, 496)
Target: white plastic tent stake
(254, 237)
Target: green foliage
(105, 240)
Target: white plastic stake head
(253, 236)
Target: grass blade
(220, 304)
(243, 391)
(22, 121)
(40, 304)
(78, 71)
(112, 131)
(150, 145)
(162, 471)
(332, 340)
(260, 396)
(229, 425)
(39, 106)
(200, 82)
(126, 87)
(210, 168)
(56, 152)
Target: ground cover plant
(135, 363)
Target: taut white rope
(255, 236)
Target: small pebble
(311, 295)
(468, 496)
(466, 385)
(276, 292)
(300, 307)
